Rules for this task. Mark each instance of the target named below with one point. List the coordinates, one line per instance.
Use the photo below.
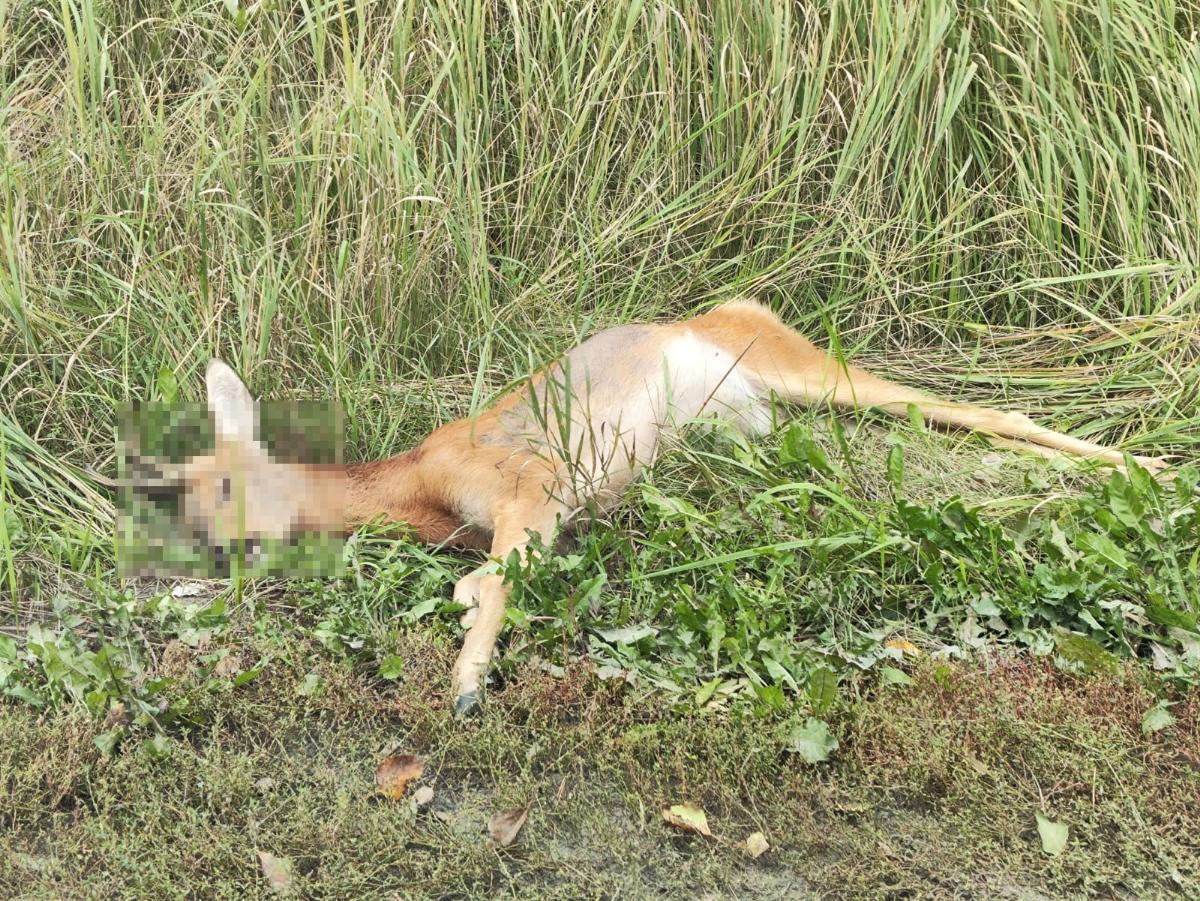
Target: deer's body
(577, 433)
(580, 431)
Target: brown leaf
(687, 817)
(116, 716)
(229, 665)
(756, 845)
(505, 825)
(394, 773)
(904, 646)
(278, 871)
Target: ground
(932, 791)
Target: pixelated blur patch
(193, 505)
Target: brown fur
(576, 433)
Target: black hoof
(466, 705)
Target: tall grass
(403, 203)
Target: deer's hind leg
(781, 360)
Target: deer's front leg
(513, 530)
(466, 592)
(479, 643)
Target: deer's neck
(347, 496)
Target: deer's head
(238, 494)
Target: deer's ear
(233, 409)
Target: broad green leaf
(424, 608)
(822, 689)
(157, 747)
(1169, 616)
(1104, 547)
(167, 385)
(248, 676)
(777, 672)
(812, 741)
(309, 686)
(589, 589)
(1089, 655)
(915, 417)
(1058, 540)
(1057, 582)
(22, 693)
(1157, 718)
(1141, 482)
(705, 692)
(986, 607)
(1053, 835)
(107, 741)
(889, 675)
(392, 667)
(627, 635)
(770, 696)
(798, 447)
(1124, 507)
(669, 507)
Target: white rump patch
(705, 382)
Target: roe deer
(578, 433)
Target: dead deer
(571, 439)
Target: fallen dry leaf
(977, 765)
(421, 798)
(394, 773)
(756, 845)
(904, 646)
(229, 665)
(116, 716)
(505, 825)
(687, 817)
(278, 871)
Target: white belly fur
(619, 427)
(706, 382)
